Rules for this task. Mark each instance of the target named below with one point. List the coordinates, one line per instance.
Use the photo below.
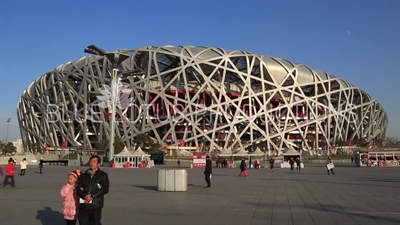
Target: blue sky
(354, 40)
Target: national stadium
(201, 97)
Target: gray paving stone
(353, 196)
(281, 218)
(364, 219)
(387, 219)
(265, 215)
(322, 218)
(341, 218)
(260, 222)
(302, 218)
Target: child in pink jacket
(71, 201)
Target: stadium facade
(201, 97)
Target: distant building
(19, 145)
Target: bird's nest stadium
(202, 97)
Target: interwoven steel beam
(208, 97)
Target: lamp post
(115, 58)
(8, 127)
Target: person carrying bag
(330, 165)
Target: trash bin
(172, 180)
(73, 163)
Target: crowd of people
(10, 170)
(243, 167)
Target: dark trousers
(6, 180)
(331, 170)
(70, 222)
(208, 180)
(40, 169)
(89, 216)
(291, 166)
(298, 166)
(23, 172)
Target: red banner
(199, 159)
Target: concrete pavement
(352, 196)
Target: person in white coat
(24, 165)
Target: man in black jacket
(208, 171)
(40, 165)
(92, 186)
(298, 164)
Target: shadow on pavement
(224, 175)
(146, 187)
(193, 185)
(49, 217)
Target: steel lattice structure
(208, 97)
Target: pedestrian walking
(291, 163)
(243, 168)
(10, 171)
(224, 163)
(70, 207)
(24, 166)
(298, 164)
(257, 164)
(92, 186)
(41, 165)
(330, 165)
(271, 163)
(208, 171)
(178, 163)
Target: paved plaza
(353, 196)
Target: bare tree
(390, 141)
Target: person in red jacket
(10, 171)
(291, 162)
